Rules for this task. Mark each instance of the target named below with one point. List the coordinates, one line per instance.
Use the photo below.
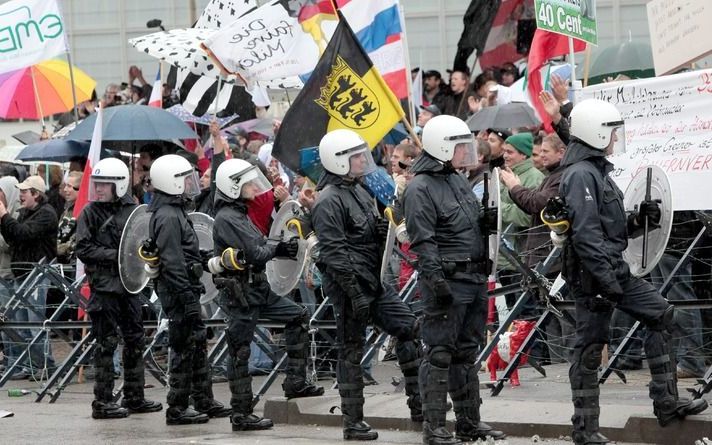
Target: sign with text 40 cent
(573, 18)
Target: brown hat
(32, 182)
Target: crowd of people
(440, 179)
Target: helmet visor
(619, 137)
(464, 154)
(361, 162)
(191, 187)
(251, 182)
(102, 189)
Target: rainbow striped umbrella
(42, 90)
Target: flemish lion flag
(344, 91)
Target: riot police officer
(351, 235)
(245, 293)
(443, 220)
(114, 312)
(600, 279)
(178, 288)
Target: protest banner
(668, 123)
(572, 18)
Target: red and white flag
(156, 99)
(92, 160)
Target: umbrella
(633, 59)
(134, 123)
(181, 113)
(51, 90)
(54, 150)
(261, 126)
(511, 115)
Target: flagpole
(411, 111)
(411, 132)
(586, 65)
(572, 62)
(217, 97)
(74, 88)
(37, 97)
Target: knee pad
(439, 356)
(465, 356)
(243, 353)
(351, 354)
(666, 322)
(591, 358)
(300, 321)
(109, 342)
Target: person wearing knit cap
(522, 142)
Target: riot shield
(203, 226)
(283, 274)
(131, 266)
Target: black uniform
(114, 312)
(254, 300)
(442, 218)
(345, 222)
(599, 279)
(178, 287)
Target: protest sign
(573, 18)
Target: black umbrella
(134, 123)
(54, 150)
(511, 115)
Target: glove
(558, 240)
(214, 266)
(359, 302)
(232, 259)
(651, 209)
(488, 221)
(443, 294)
(382, 227)
(148, 252)
(205, 256)
(287, 249)
(152, 272)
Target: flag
(219, 13)
(92, 159)
(417, 90)
(478, 21)
(270, 42)
(501, 44)
(345, 90)
(378, 28)
(545, 45)
(156, 99)
(32, 31)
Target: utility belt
(246, 276)
(466, 266)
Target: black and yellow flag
(344, 91)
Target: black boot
(409, 360)
(585, 392)
(358, 430)
(584, 438)
(250, 422)
(438, 435)
(184, 416)
(294, 389)
(141, 406)
(107, 410)
(679, 410)
(212, 408)
(469, 431)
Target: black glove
(382, 227)
(488, 221)
(443, 294)
(651, 209)
(287, 249)
(359, 302)
(205, 256)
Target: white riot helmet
(593, 121)
(109, 180)
(234, 176)
(345, 153)
(449, 139)
(173, 175)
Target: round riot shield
(131, 266)
(283, 274)
(494, 203)
(388, 249)
(645, 250)
(203, 226)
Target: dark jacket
(32, 236)
(563, 127)
(450, 103)
(533, 201)
(442, 218)
(593, 255)
(99, 231)
(180, 263)
(344, 218)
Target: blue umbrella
(54, 150)
(134, 123)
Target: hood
(428, 164)
(12, 193)
(331, 179)
(160, 199)
(223, 201)
(578, 151)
